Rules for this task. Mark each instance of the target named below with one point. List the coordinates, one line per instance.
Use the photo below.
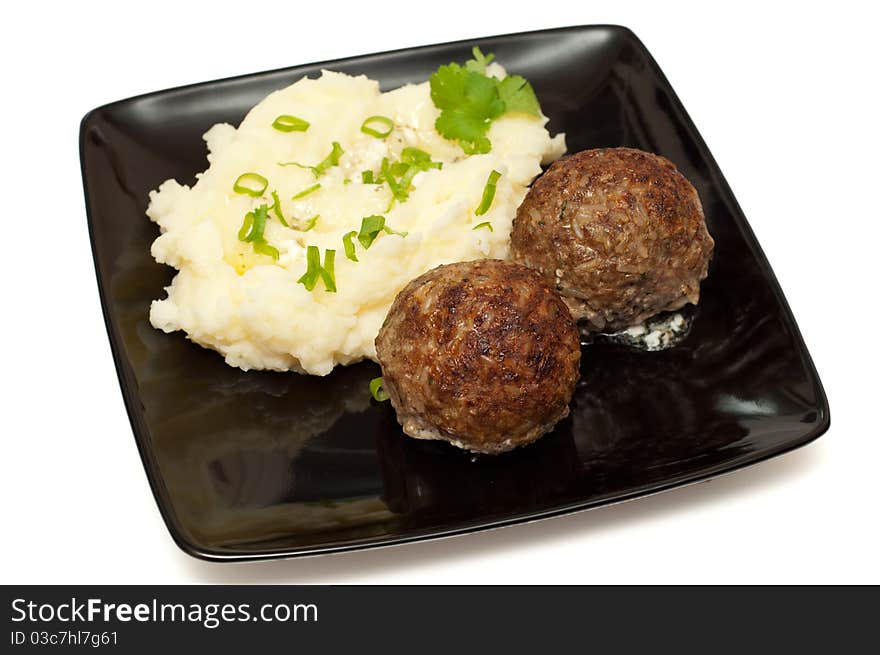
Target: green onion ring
(377, 390)
(288, 123)
(250, 184)
(380, 120)
(348, 245)
(488, 193)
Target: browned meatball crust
(481, 354)
(620, 233)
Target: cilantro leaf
(481, 96)
(467, 131)
(518, 95)
(479, 147)
(461, 125)
(447, 86)
(479, 62)
(469, 101)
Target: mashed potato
(249, 306)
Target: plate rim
(151, 467)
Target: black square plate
(257, 465)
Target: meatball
(480, 354)
(620, 233)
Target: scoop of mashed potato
(249, 306)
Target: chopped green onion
(246, 226)
(378, 121)
(399, 175)
(314, 270)
(287, 123)
(313, 265)
(420, 158)
(252, 229)
(377, 390)
(264, 248)
(399, 168)
(251, 184)
(488, 193)
(385, 174)
(348, 244)
(305, 192)
(311, 223)
(399, 192)
(296, 163)
(330, 160)
(370, 228)
(261, 215)
(327, 272)
(276, 208)
(406, 179)
(255, 221)
(486, 224)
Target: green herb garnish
(479, 62)
(257, 224)
(250, 184)
(399, 175)
(311, 223)
(370, 228)
(469, 101)
(488, 193)
(419, 158)
(348, 245)
(307, 191)
(246, 226)
(276, 209)
(264, 248)
(327, 272)
(374, 124)
(252, 229)
(486, 224)
(296, 163)
(377, 390)
(329, 161)
(315, 270)
(518, 96)
(287, 123)
(386, 175)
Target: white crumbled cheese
(652, 341)
(636, 330)
(653, 334)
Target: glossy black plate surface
(255, 465)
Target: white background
(786, 99)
